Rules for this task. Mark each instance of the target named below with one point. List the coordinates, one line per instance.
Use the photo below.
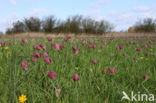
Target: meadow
(77, 70)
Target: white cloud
(141, 8)
(7, 22)
(147, 15)
(95, 14)
(145, 12)
(99, 4)
(37, 12)
(124, 19)
(121, 20)
(13, 2)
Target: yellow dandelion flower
(22, 98)
(91, 69)
(142, 58)
(150, 49)
(6, 48)
(0, 45)
(76, 68)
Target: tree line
(75, 24)
(144, 25)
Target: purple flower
(52, 75)
(94, 46)
(37, 55)
(23, 40)
(76, 77)
(75, 50)
(94, 61)
(138, 49)
(62, 47)
(90, 46)
(124, 54)
(145, 76)
(83, 42)
(150, 46)
(147, 54)
(53, 44)
(117, 48)
(33, 58)
(43, 46)
(38, 47)
(2, 43)
(135, 59)
(121, 46)
(24, 65)
(48, 60)
(22, 43)
(44, 54)
(49, 38)
(112, 70)
(90, 42)
(144, 45)
(102, 46)
(57, 47)
(68, 37)
(57, 92)
(35, 46)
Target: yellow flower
(150, 49)
(22, 98)
(6, 48)
(141, 57)
(76, 68)
(91, 69)
(0, 45)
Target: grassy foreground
(77, 71)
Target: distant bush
(48, 24)
(79, 24)
(131, 29)
(75, 24)
(145, 25)
(71, 25)
(18, 27)
(9, 31)
(33, 24)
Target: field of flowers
(76, 70)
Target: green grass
(93, 86)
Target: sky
(121, 13)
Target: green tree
(48, 24)
(33, 24)
(145, 25)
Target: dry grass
(43, 35)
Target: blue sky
(121, 13)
